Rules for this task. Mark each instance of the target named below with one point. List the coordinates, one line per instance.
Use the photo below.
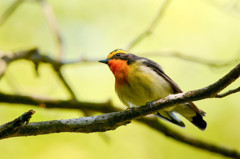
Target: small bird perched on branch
(139, 80)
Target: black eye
(117, 54)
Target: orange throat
(120, 69)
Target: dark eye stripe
(117, 54)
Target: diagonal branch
(108, 121)
(9, 11)
(50, 18)
(107, 107)
(216, 148)
(151, 27)
(228, 93)
(65, 83)
(52, 23)
(111, 121)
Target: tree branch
(34, 56)
(105, 107)
(6, 59)
(111, 121)
(151, 27)
(14, 126)
(52, 23)
(9, 11)
(50, 18)
(108, 121)
(216, 148)
(177, 54)
(228, 93)
(30, 54)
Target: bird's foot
(130, 109)
(150, 104)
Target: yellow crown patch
(114, 52)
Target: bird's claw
(130, 109)
(150, 104)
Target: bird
(139, 80)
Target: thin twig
(50, 18)
(151, 27)
(65, 83)
(80, 60)
(228, 93)
(231, 7)
(52, 23)
(207, 62)
(9, 11)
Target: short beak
(104, 61)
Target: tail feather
(187, 112)
(170, 116)
(194, 117)
(199, 122)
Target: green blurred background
(206, 29)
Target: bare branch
(156, 125)
(9, 11)
(13, 126)
(6, 59)
(37, 58)
(228, 93)
(3, 67)
(50, 18)
(80, 60)
(111, 121)
(210, 63)
(34, 56)
(151, 27)
(104, 107)
(52, 23)
(65, 83)
(108, 121)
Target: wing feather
(157, 68)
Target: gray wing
(157, 68)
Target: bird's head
(119, 55)
(119, 62)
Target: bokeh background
(91, 29)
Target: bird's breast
(144, 85)
(120, 69)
